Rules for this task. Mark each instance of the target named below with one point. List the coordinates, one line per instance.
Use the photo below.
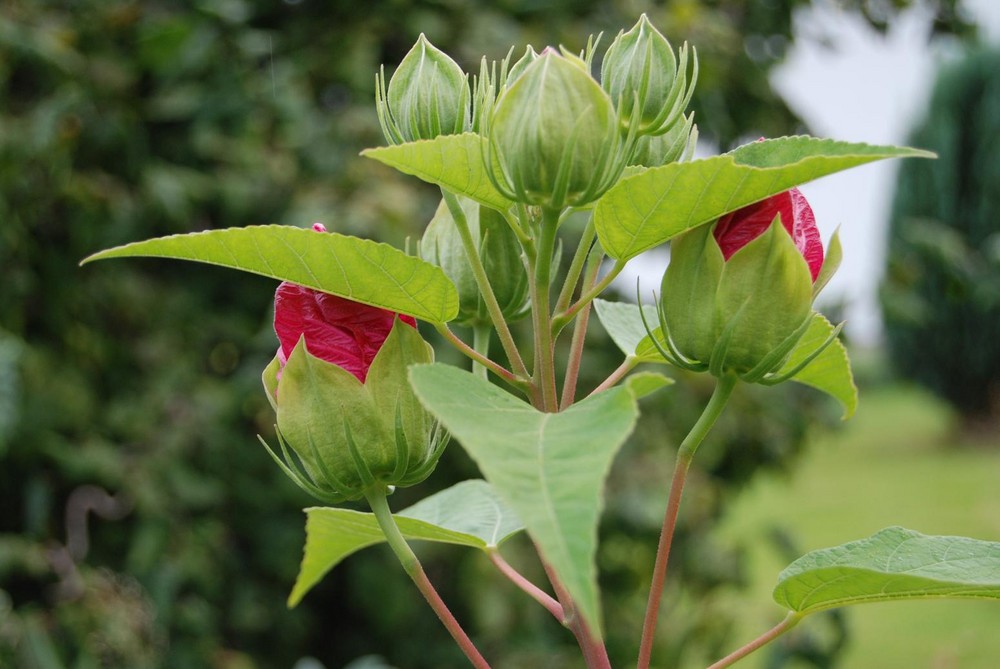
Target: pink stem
(790, 621)
(533, 591)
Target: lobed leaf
(358, 269)
(549, 467)
(467, 514)
(647, 209)
(893, 564)
(454, 162)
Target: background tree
(941, 293)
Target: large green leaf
(624, 324)
(549, 467)
(893, 564)
(468, 514)
(359, 269)
(645, 210)
(830, 371)
(454, 162)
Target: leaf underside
(468, 514)
(549, 467)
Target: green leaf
(454, 162)
(624, 324)
(468, 514)
(358, 269)
(646, 210)
(893, 564)
(830, 371)
(549, 467)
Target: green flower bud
(518, 68)
(642, 75)
(428, 96)
(737, 296)
(553, 135)
(349, 435)
(675, 145)
(499, 250)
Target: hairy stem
(544, 376)
(790, 621)
(576, 267)
(595, 655)
(474, 355)
(483, 283)
(627, 366)
(723, 390)
(380, 507)
(579, 339)
(481, 345)
(532, 590)
(560, 320)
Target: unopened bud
(427, 96)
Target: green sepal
(688, 293)
(834, 255)
(270, 379)
(427, 96)
(320, 403)
(554, 136)
(388, 385)
(828, 370)
(769, 281)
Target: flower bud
(340, 388)
(518, 68)
(499, 250)
(553, 134)
(641, 74)
(675, 145)
(428, 96)
(737, 295)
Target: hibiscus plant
(524, 150)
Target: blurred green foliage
(941, 293)
(142, 525)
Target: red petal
(343, 332)
(737, 229)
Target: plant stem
(723, 390)
(576, 267)
(544, 375)
(532, 590)
(380, 507)
(595, 655)
(481, 345)
(483, 283)
(562, 318)
(627, 366)
(500, 371)
(577, 344)
(790, 621)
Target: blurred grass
(898, 462)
